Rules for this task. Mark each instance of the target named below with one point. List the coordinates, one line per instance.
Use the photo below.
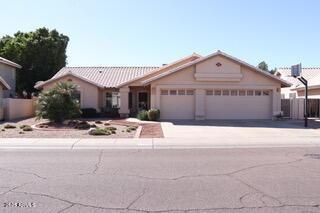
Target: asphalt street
(242, 180)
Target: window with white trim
(217, 92)
(265, 92)
(225, 92)
(173, 92)
(164, 92)
(190, 92)
(209, 92)
(234, 92)
(249, 92)
(257, 92)
(242, 93)
(181, 92)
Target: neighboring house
(217, 86)
(8, 73)
(297, 88)
(4, 86)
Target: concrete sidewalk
(152, 143)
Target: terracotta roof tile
(106, 76)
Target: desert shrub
(89, 113)
(57, 104)
(99, 131)
(23, 126)
(27, 128)
(9, 126)
(132, 128)
(111, 128)
(143, 115)
(153, 114)
(82, 125)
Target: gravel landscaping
(120, 131)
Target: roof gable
(218, 53)
(164, 68)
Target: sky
(154, 32)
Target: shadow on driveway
(286, 123)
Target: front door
(143, 101)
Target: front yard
(114, 128)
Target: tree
(263, 66)
(40, 53)
(57, 104)
(273, 71)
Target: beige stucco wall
(18, 108)
(185, 79)
(89, 93)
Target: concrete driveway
(241, 131)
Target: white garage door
(238, 104)
(177, 104)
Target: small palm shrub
(57, 104)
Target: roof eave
(39, 86)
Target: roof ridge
(111, 67)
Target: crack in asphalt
(14, 188)
(158, 211)
(23, 172)
(75, 143)
(77, 203)
(97, 165)
(210, 175)
(64, 209)
(135, 200)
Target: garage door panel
(238, 107)
(177, 107)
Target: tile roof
(10, 63)
(105, 76)
(312, 74)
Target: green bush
(9, 126)
(153, 114)
(143, 115)
(99, 131)
(57, 104)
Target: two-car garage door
(219, 104)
